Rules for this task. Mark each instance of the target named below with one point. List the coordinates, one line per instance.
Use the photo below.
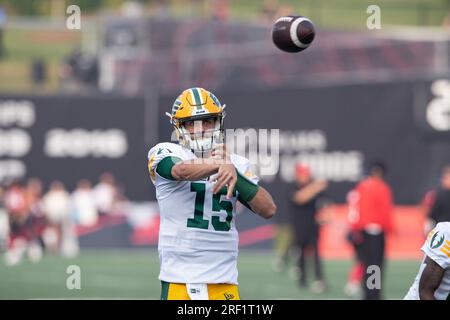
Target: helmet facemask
(201, 142)
(192, 107)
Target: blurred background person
(372, 220)
(84, 207)
(106, 194)
(4, 222)
(56, 205)
(19, 222)
(354, 237)
(220, 10)
(425, 205)
(79, 71)
(34, 190)
(439, 202)
(307, 200)
(38, 74)
(283, 242)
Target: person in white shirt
(84, 204)
(105, 194)
(56, 207)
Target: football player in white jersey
(197, 186)
(433, 280)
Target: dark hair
(379, 166)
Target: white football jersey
(437, 248)
(198, 240)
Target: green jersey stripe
(164, 290)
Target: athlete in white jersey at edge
(433, 280)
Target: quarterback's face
(200, 128)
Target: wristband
(247, 189)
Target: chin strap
(170, 116)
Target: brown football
(293, 33)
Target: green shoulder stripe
(164, 168)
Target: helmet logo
(435, 241)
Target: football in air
(293, 33)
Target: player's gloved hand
(227, 172)
(226, 176)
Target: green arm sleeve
(247, 189)
(164, 167)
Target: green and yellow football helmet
(197, 104)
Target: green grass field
(133, 275)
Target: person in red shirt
(370, 221)
(354, 237)
(18, 210)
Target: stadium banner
(334, 129)
(69, 138)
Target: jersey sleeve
(161, 158)
(437, 245)
(244, 166)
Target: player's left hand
(226, 176)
